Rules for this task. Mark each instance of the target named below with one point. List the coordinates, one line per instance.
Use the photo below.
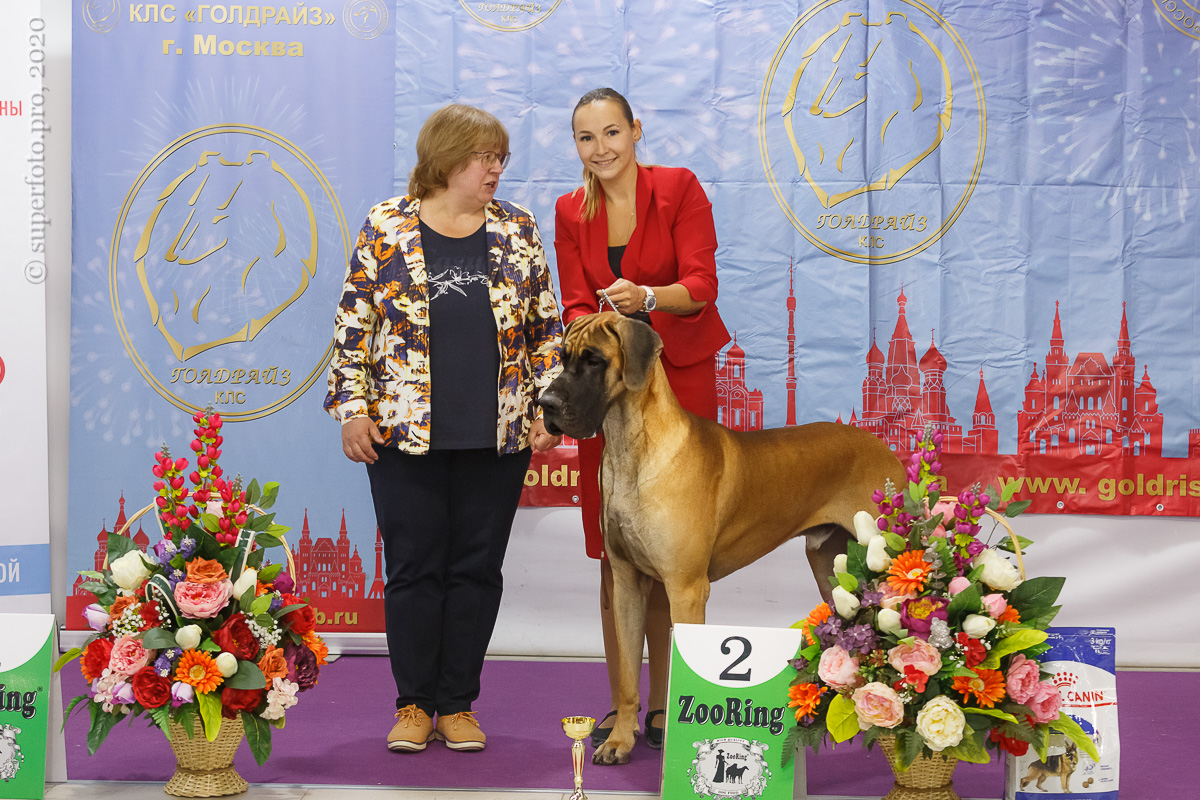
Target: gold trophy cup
(578, 729)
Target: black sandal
(600, 733)
(654, 733)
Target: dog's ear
(640, 348)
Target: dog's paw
(610, 754)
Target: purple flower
(284, 583)
(919, 613)
(975, 547)
(798, 663)
(123, 693)
(162, 664)
(164, 551)
(859, 638)
(181, 694)
(870, 599)
(276, 602)
(96, 616)
(828, 631)
(302, 665)
(187, 548)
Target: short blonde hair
(446, 142)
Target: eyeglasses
(490, 157)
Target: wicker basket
(204, 768)
(926, 779)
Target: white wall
(1132, 573)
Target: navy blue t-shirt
(464, 353)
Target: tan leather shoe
(460, 732)
(412, 731)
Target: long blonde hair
(446, 142)
(592, 191)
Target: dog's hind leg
(830, 541)
(631, 590)
(688, 599)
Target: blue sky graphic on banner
(980, 213)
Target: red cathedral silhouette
(902, 395)
(1089, 407)
(325, 568)
(101, 555)
(738, 408)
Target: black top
(464, 352)
(615, 254)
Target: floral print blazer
(380, 364)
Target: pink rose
(877, 704)
(838, 668)
(202, 600)
(919, 655)
(893, 599)
(1022, 679)
(995, 604)
(958, 584)
(1045, 702)
(128, 656)
(946, 508)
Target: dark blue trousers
(445, 518)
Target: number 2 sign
(727, 714)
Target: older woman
(638, 240)
(447, 332)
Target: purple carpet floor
(336, 736)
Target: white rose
(839, 563)
(846, 603)
(941, 723)
(998, 572)
(188, 637)
(977, 626)
(865, 527)
(249, 578)
(877, 557)
(130, 570)
(887, 620)
(227, 663)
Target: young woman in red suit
(639, 240)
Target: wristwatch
(651, 301)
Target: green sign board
(25, 662)
(727, 715)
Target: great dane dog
(686, 501)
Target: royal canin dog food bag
(1084, 664)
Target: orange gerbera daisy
(317, 645)
(200, 670)
(986, 686)
(908, 572)
(814, 618)
(804, 698)
(1010, 615)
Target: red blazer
(674, 242)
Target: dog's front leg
(631, 589)
(821, 558)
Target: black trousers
(445, 518)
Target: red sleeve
(695, 238)
(578, 297)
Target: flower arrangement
(198, 627)
(934, 635)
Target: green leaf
(847, 581)
(895, 542)
(1044, 619)
(1006, 544)
(118, 546)
(842, 720)
(270, 492)
(1075, 733)
(278, 530)
(271, 571)
(267, 540)
(253, 492)
(210, 713)
(162, 718)
(71, 707)
(255, 559)
(790, 744)
(1041, 741)
(258, 736)
(209, 521)
(1018, 641)
(279, 723)
(993, 712)
(288, 609)
(1009, 490)
(246, 601)
(856, 559)
(970, 749)
(260, 605)
(158, 639)
(908, 746)
(66, 657)
(102, 723)
(248, 676)
(1031, 597)
(1013, 509)
(209, 645)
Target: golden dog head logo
(872, 127)
(847, 149)
(202, 291)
